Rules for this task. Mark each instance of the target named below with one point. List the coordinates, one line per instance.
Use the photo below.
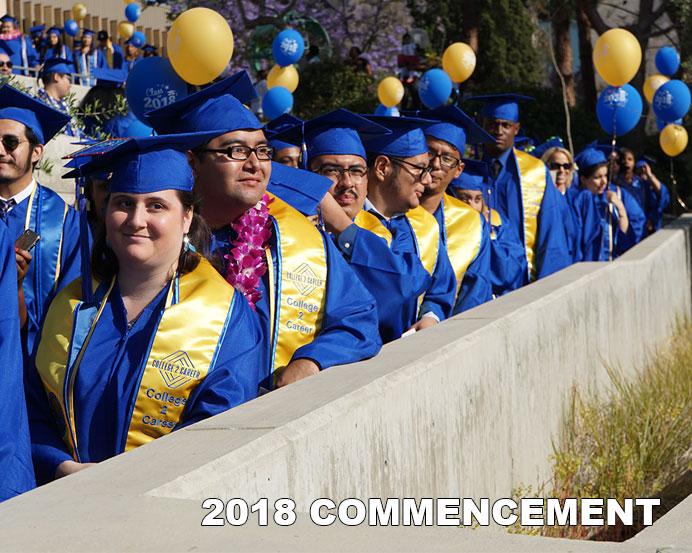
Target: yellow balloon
(651, 85)
(459, 61)
(283, 76)
(199, 45)
(617, 56)
(673, 139)
(126, 29)
(390, 91)
(79, 11)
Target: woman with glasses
(561, 165)
(157, 342)
(5, 65)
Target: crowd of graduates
(25, 55)
(222, 258)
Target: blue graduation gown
(64, 52)
(395, 279)
(86, 63)
(635, 215)
(37, 297)
(508, 265)
(106, 386)
(476, 285)
(439, 297)
(551, 246)
(118, 57)
(16, 471)
(602, 238)
(21, 52)
(652, 203)
(348, 332)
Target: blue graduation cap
(590, 157)
(476, 176)
(217, 107)
(405, 139)
(36, 30)
(278, 125)
(88, 32)
(142, 165)
(552, 142)
(56, 65)
(149, 49)
(109, 78)
(454, 126)
(501, 106)
(43, 120)
(338, 132)
(55, 31)
(9, 19)
(303, 190)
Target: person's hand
(23, 258)
(425, 322)
(613, 198)
(70, 467)
(296, 370)
(646, 171)
(333, 215)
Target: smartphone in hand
(27, 240)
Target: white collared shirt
(21, 196)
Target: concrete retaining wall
(467, 409)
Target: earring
(187, 246)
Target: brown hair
(104, 263)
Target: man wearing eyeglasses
(523, 189)
(398, 172)
(396, 280)
(315, 312)
(25, 126)
(463, 230)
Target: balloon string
(674, 184)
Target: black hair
(590, 171)
(104, 263)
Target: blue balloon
(277, 101)
(660, 125)
(288, 47)
(138, 39)
(384, 110)
(671, 101)
(619, 109)
(152, 84)
(667, 61)
(133, 11)
(434, 88)
(71, 27)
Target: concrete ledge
(465, 410)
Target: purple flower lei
(247, 261)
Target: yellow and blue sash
(533, 183)
(301, 290)
(179, 357)
(370, 222)
(426, 233)
(463, 232)
(45, 215)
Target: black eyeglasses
(423, 170)
(242, 153)
(554, 165)
(446, 161)
(335, 172)
(7, 64)
(11, 142)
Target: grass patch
(634, 440)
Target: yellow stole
(495, 221)
(302, 289)
(179, 358)
(368, 221)
(463, 230)
(532, 178)
(426, 231)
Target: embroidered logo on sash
(176, 369)
(305, 279)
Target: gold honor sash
(464, 231)
(302, 289)
(532, 178)
(368, 221)
(426, 231)
(179, 358)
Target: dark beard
(24, 169)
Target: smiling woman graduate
(164, 341)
